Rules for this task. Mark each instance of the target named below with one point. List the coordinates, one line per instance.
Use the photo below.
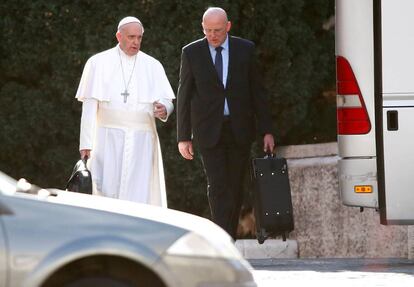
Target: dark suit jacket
(200, 98)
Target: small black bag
(81, 178)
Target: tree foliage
(45, 44)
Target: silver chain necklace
(125, 94)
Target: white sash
(142, 121)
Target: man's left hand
(268, 143)
(160, 111)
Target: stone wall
(323, 226)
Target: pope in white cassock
(123, 90)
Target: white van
(375, 106)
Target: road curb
(271, 248)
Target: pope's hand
(160, 111)
(186, 149)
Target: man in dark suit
(220, 99)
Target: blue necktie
(218, 63)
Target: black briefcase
(81, 178)
(272, 198)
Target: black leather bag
(80, 179)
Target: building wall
(323, 226)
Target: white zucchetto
(129, 19)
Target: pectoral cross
(125, 95)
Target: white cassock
(126, 160)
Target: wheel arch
(107, 266)
(93, 247)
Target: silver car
(60, 238)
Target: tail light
(351, 111)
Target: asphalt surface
(337, 272)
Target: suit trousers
(225, 166)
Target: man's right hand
(85, 153)
(186, 149)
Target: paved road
(334, 272)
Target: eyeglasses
(213, 31)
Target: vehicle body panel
(43, 232)
(377, 39)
